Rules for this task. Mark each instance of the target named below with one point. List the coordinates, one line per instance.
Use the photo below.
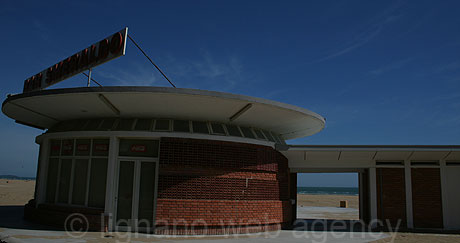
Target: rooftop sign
(98, 53)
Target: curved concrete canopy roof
(47, 107)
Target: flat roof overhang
(45, 108)
(338, 157)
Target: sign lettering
(101, 147)
(101, 52)
(138, 148)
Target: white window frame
(75, 157)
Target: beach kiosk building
(186, 161)
(165, 159)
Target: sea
(352, 191)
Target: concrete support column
(42, 172)
(373, 195)
(408, 184)
(361, 195)
(444, 193)
(111, 179)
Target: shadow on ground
(330, 225)
(13, 217)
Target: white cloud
(391, 66)
(141, 75)
(366, 34)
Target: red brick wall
(391, 196)
(426, 198)
(221, 183)
(220, 212)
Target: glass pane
(259, 134)
(107, 124)
(93, 124)
(55, 147)
(143, 124)
(269, 136)
(200, 127)
(68, 125)
(124, 125)
(138, 148)
(181, 126)
(233, 131)
(162, 125)
(146, 194)
(67, 147)
(97, 182)
(247, 132)
(64, 181)
(100, 147)
(217, 128)
(82, 147)
(80, 125)
(57, 127)
(79, 181)
(125, 192)
(51, 180)
(277, 138)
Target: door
(135, 197)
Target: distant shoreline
(13, 177)
(344, 191)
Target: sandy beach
(326, 200)
(16, 192)
(327, 207)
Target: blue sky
(381, 72)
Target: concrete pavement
(14, 229)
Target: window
(218, 128)
(68, 126)
(83, 147)
(98, 179)
(143, 125)
(124, 125)
(233, 131)
(259, 134)
(268, 136)
(181, 126)
(247, 132)
(77, 172)
(277, 138)
(64, 180)
(81, 124)
(51, 183)
(138, 148)
(80, 181)
(200, 127)
(162, 125)
(107, 124)
(93, 124)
